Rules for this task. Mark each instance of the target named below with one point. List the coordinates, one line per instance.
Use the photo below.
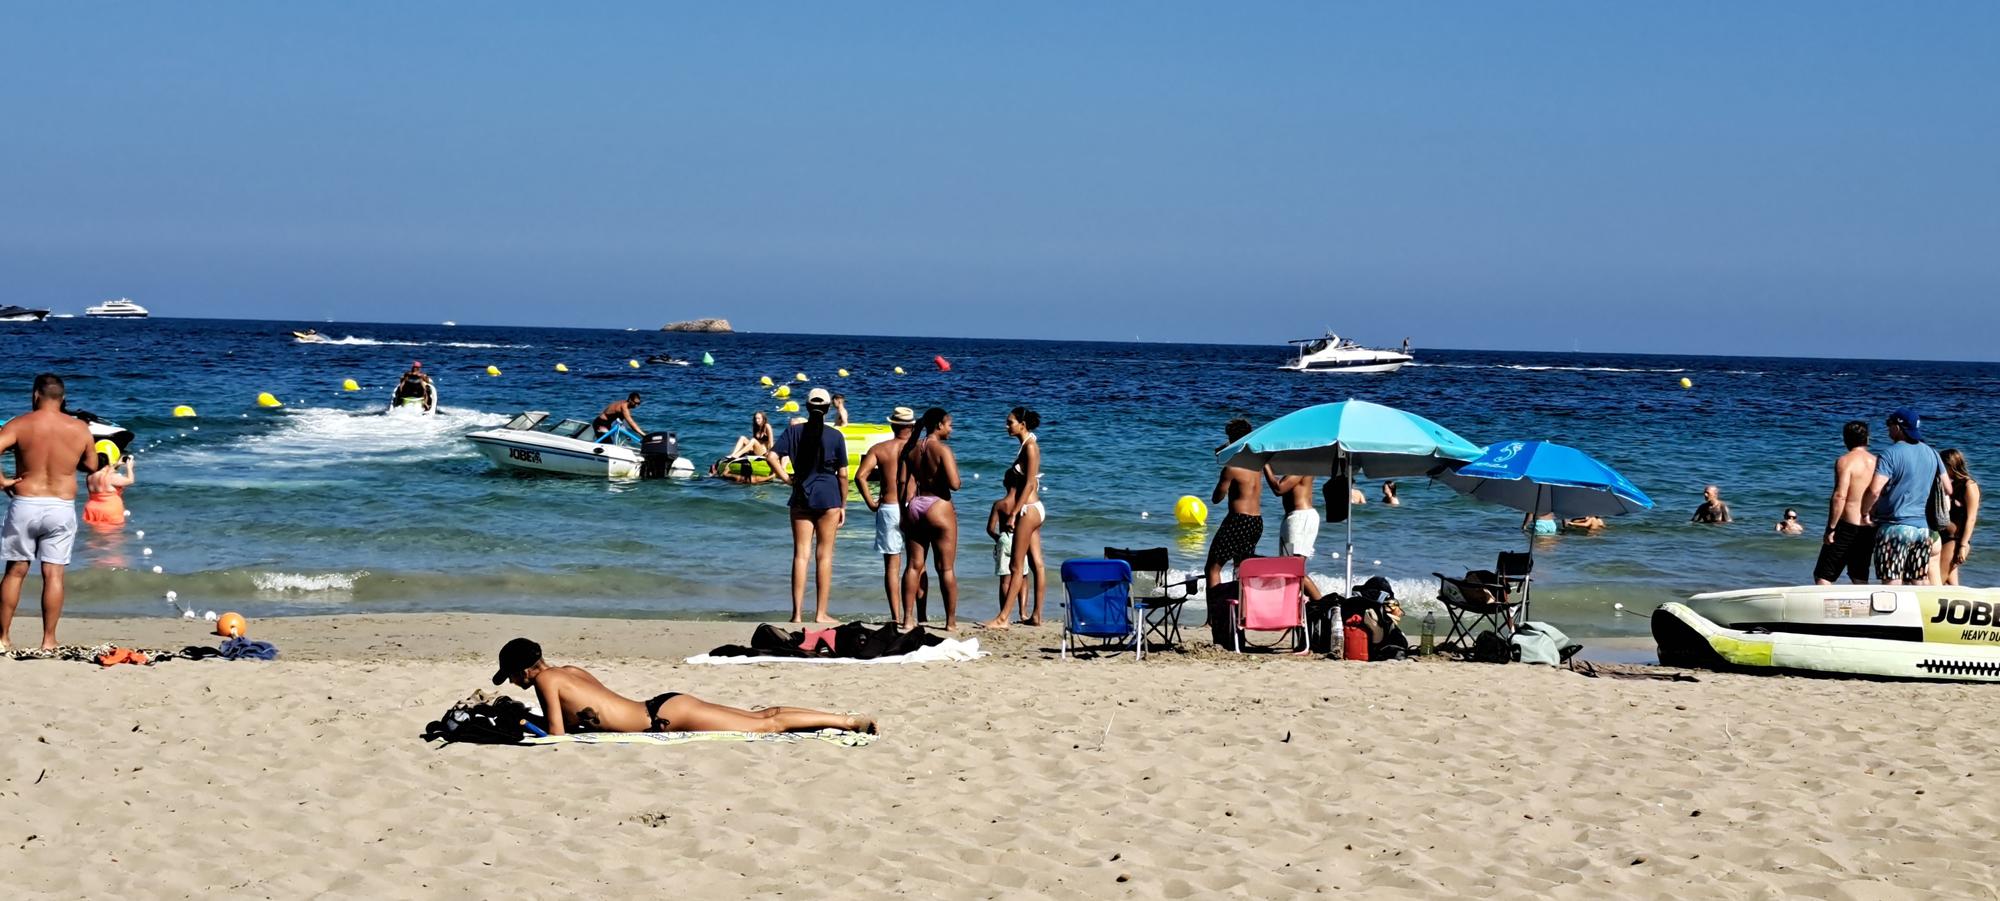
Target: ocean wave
(280, 583)
(1517, 367)
(352, 341)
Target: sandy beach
(1016, 775)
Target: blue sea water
(328, 505)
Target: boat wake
(1521, 368)
(311, 438)
(352, 341)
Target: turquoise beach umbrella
(1345, 438)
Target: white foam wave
(352, 341)
(1521, 368)
(281, 583)
(317, 437)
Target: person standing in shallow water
(880, 464)
(49, 447)
(1849, 542)
(1964, 515)
(1713, 511)
(929, 474)
(819, 500)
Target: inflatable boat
(860, 437)
(1887, 631)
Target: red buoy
(943, 364)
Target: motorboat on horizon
(529, 442)
(12, 313)
(1333, 353)
(122, 308)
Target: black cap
(516, 656)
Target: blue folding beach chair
(1099, 605)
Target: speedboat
(667, 360)
(122, 308)
(11, 313)
(529, 442)
(1886, 631)
(1336, 354)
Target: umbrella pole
(1347, 501)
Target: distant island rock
(710, 326)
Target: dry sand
(1015, 776)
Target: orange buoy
(230, 625)
(943, 364)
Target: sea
(329, 504)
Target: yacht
(1333, 353)
(122, 308)
(12, 313)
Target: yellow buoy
(801, 377)
(183, 411)
(1190, 511)
(632, 363)
(782, 392)
(841, 372)
(561, 368)
(493, 370)
(1687, 382)
(765, 381)
(350, 385)
(266, 400)
(899, 370)
(791, 406)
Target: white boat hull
(1889, 631)
(561, 456)
(1358, 367)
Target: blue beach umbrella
(1538, 477)
(1341, 439)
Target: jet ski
(102, 429)
(1942, 632)
(309, 336)
(667, 360)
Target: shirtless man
(1713, 510)
(50, 447)
(616, 412)
(880, 465)
(414, 384)
(1849, 543)
(1300, 530)
(1236, 540)
(574, 701)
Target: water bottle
(1337, 636)
(1425, 644)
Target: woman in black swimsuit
(929, 474)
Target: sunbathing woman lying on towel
(580, 703)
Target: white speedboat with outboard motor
(11, 313)
(122, 308)
(1333, 353)
(1890, 631)
(530, 442)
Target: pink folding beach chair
(1269, 599)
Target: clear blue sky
(1792, 178)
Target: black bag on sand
(1491, 648)
(484, 718)
(1321, 616)
(1221, 619)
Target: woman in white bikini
(1022, 515)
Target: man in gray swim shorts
(50, 447)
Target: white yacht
(122, 308)
(1336, 354)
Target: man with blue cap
(1898, 501)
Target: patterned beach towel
(830, 736)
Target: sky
(1812, 179)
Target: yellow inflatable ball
(1687, 382)
(1190, 511)
(183, 411)
(632, 363)
(791, 406)
(783, 391)
(841, 372)
(561, 368)
(765, 381)
(266, 400)
(493, 371)
(899, 370)
(801, 377)
(350, 385)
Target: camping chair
(1098, 604)
(1497, 600)
(1270, 598)
(1158, 598)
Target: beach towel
(851, 640)
(92, 653)
(246, 649)
(946, 650)
(830, 736)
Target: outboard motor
(657, 454)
